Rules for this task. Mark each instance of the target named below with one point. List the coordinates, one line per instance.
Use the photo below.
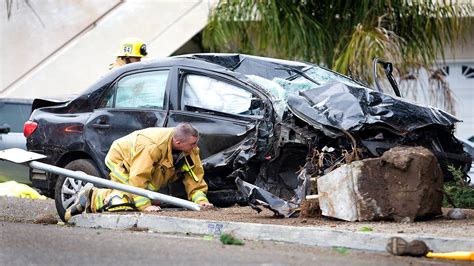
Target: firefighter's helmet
(117, 201)
(132, 47)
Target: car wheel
(66, 188)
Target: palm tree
(347, 35)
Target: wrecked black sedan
(261, 120)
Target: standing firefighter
(131, 50)
(148, 158)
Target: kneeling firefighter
(148, 158)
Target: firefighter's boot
(82, 202)
(400, 247)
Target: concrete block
(402, 185)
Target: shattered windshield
(280, 88)
(322, 76)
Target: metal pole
(110, 184)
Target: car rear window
(14, 115)
(144, 90)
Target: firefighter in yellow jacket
(149, 159)
(131, 50)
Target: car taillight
(29, 128)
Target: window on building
(468, 72)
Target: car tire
(66, 188)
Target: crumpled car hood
(336, 107)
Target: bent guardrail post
(29, 158)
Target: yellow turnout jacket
(118, 63)
(144, 159)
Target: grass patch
(228, 239)
(366, 229)
(208, 237)
(341, 250)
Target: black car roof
(172, 61)
(265, 67)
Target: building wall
(76, 41)
(460, 76)
(30, 36)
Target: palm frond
(413, 34)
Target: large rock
(402, 185)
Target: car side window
(144, 90)
(14, 115)
(203, 92)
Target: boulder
(404, 184)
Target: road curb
(311, 236)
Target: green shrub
(462, 196)
(458, 191)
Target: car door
(134, 101)
(223, 109)
(13, 114)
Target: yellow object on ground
(14, 189)
(458, 255)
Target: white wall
(27, 39)
(461, 82)
(84, 37)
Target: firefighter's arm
(143, 158)
(196, 187)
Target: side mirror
(4, 129)
(388, 69)
(255, 103)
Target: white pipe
(110, 184)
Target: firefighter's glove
(152, 208)
(205, 205)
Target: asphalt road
(34, 244)
(25, 243)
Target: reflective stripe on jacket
(144, 159)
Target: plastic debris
(14, 189)
(456, 214)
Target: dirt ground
(27, 210)
(436, 227)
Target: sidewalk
(445, 235)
